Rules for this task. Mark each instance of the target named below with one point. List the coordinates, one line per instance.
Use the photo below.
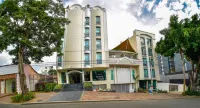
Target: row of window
(151, 62)
(87, 44)
(149, 42)
(98, 20)
(143, 49)
(98, 57)
(98, 31)
(146, 74)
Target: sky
(124, 16)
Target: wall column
(91, 76)
(83, 77)
(67, 78)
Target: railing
(87, 34)
(98, 34)
(87, 48)
(98, 47)
(87, 23)
(87, 62)
(99, 61)
(98, 22)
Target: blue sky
(123, 16)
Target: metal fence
(34, 79)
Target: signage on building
(99, 75)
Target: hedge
(19, 98)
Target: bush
(58, 87)
(49, 87)
(20, 98)
(191, 93)
(40, 86)
(87, 84)
(141, 90)
(161, 91)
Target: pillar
(83, 77)
(67, 78)
(91, 76)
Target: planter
(88, 89)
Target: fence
(34, 79)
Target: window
(143, 49)
(146, 73)
(133, 74)
(87, 20)
(98, 31)
(150, 52)
(87, 59)
(59, 61)
(151, 62)
(142, 40)
(112, 74)
(87, 75)
(149, 42)
(87, 31)
(98, 44)
(86, 44)
(98, 21)
(99, 58)
(99, 75)
(144, 61)
(153, 73)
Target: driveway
(71, 92)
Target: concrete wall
(166, 86)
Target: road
(173, 103)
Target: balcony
(99, 61)
(86, 62)
(98, 34)
(98, 47)
(87, 48)
(87, 23)
(98, 23)
(87, 34)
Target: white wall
(163, 86)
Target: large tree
(182, 37)
(34, 29)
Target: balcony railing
(87, 48)
(98, 22)
(87, 34)
(99, 61)
(87, 62)
(98, 47)
(98, 34)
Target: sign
(99, 75)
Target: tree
(182, 37)
(34, 28)
(52, 72)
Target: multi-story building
(87, 58)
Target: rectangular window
(87, 21)
(150, 52)
(112, 75)
(87, 75)
(144, 61)
(146, 73)
(87, 59)
(87, 45)
(153, 73)
(151, 62)
(98, 44)
(149, 42)
(143, 50)
(99, 75)
(98, 31)
(87, 31)
(99, 58)
(98, 20)
(133, 74)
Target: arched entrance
(74, 77)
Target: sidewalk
(101, 96)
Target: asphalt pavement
(70, 92)
(173, 103)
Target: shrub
(161, 91)
(58, 87)
(87, 84)
(40, 86)
(191, 93)
(20, 98)
(141, 90)
(49, 87)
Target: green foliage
(191, 93)
(40, 86)
(87, 84)
(49, 87)
(52, 72)
(141, 90)
(161, 91)
(21, 98)
(58, 87)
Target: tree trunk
(21, 72)
(194, 76)
(183, 68)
